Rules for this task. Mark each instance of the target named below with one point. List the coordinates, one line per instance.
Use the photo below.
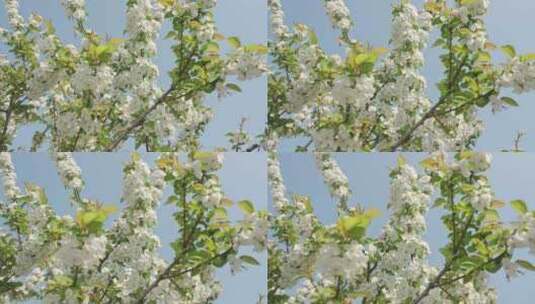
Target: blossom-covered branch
(78, 259)
(373, 98)
(313, 262)
(106, 92)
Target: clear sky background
(243, 176)
(511, 177)
(246, 19)
(508, 22)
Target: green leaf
(509, 50)
(212, 47)
(495, 204)
(246, 206)
(93, 220)
(62, 281)
(108, 209)
(199, 256)
(372, 213)
(219, 37)
(219, 262)
(50, 27)
(439, 202)
(481, 247)
(41, 195)
(234, 41)
(526, 265)
(7, 286)
(220, 216)
(353, 226)
(433, 163)
(173, 199)
(312, 37)
(226, 202)
(483, 57)
(433, 7)
(527, 57)
(379, 51)
(519, 206)
(249, 260)
(167, 3)
(491, 215)
(257, 48)
(233, 87)
(509, 101)
(308, 205)
(401, 161)
(114, 43)
(85, 217)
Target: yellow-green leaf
(257, 48)
(226, 202)
(234, 41)
(353, 226)
(246, 206)
(401, 161)
(519, 206)
(509, 50)
(219, 37)
(212, 48)
(495, 204)
(167, 3)
(484, 57)
(372, 213)
(527, 57)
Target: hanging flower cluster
(104, 92)
(374, 99)
(334, 178)
(313, 262)
(65, 259)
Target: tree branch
(139, 121)
(168, 274)
(452, 78)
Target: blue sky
(508, 22)
(246, 19)
(243, 176)
(511, 177)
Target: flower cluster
(519, 75)
(13, 15)
(276, 182)
(277, 18)
(101, 92)
(315, 262)
(246, 65)
(75, 9)
(72, 253)
(69, 172)
(79, 260)
(525, 233)
(9, 177)
(339, 14)
(347, 262)
(376, 98)
(335, 179)
(473, 9)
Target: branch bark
(139, 121)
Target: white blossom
(68, 170)
(9, 176)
